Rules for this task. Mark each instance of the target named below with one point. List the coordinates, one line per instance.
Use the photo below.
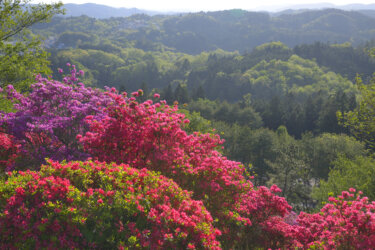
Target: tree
(181, 93)
(21, 53)
(323, 150)
(168, 94)
(290, 171)
(357, 173)
(361, 121)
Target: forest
(210, 130)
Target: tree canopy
(21, 53)
(361, 121)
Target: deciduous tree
(21, 53)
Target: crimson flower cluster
(9, 151)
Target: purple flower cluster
(48, 119)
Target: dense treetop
(21, 53)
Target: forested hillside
(232, 30)
(209, 130)
(248, 73)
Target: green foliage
(20, 61)
(144, 49)
(324, 149)
(361, 121)
(197, 122)
(227, 112)
(296, 75)
(229, 30)
(340, 58)
(21, 53)
(294, 165)
(251, 147)
(357, 173)
(299, 165)
(290, 171)
(316, 113)
(16, 15)
(73, 39)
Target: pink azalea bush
(268, 214)
(150, 135)
(345, 222)
(98, 205)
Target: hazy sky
(205, 5)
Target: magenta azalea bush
(98, 205)
(149, 185)
(48, 119)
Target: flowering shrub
(112, 205)
(148, 135)
(48, 119)
(8, 152)
(99, 205)
(346, 222)
(268, 213)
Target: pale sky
(205, 5)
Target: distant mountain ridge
(103, 11)
(316, 6)
(358, 7)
